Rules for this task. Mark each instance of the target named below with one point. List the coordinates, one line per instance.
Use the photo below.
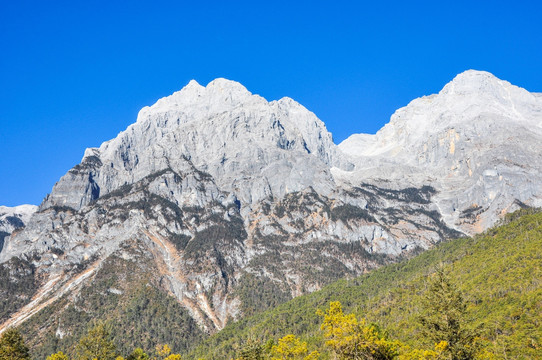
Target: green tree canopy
(445, 320)
(12, 346)
(97, 345)
(252, 350)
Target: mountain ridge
(502, 293)
(217, 189)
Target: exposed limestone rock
(223, 190)
(14, 218)
(477, 142)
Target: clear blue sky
(73, 74)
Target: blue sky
(73, 74)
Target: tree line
(443, 323)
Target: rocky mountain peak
(473, 99)
(482, 83)
(237, 137)
(218, 96)
(229, 202)
(472, 80)
(15, 217)
(468, 141)
(480, 91)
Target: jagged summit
(218, 96)
(472, 99)
(476, 82)
(215, 191)
(15, 217)
(474, 76)
(247, 144)
(483, 91)
(259, 149)
(468, 141)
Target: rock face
(14, 218)
(242, 203)
(251, 147)
(477, 142)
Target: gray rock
(14, 218)
(477, 143)
(216, 185)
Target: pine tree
(96, 345)
(12, 346)
(253, 350)
(445, 321)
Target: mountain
(238, 138)
(227, 204)
(497, 272)
(13, 218)
(476, 142)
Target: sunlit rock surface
(219, 187)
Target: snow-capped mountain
(477, 142)
(231, 204)
(16, 217)
(12, 218)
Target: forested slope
(498, 272)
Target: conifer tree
(445, 321)
(12, 346)
(253, 350)
(97, 345)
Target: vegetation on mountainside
(498, 272)
(259, 293)
(12, 346)
(137, 313)
(471, 298)
(97, 344)
(346, 337)
(17, 285)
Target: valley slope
(497, 272)
(227, 204)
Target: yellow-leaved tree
(439, 353)
(164, 352)
(290, 347)
(58, 356)
(138, 354)
(350, 338)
